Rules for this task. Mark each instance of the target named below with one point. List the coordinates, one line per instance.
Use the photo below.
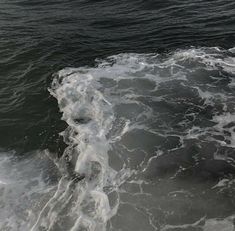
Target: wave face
(150, 146)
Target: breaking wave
(151, 142)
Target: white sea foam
(26, 184)
(123, 115)
(205, 225)
(103, 105)
(89, 116)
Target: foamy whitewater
(151, 141)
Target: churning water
(140, 136)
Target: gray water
(117, 116)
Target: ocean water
(117, 115)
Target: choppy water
(117, 115)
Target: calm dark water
(170, 81)
(39, 38)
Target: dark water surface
(148, 105)
(39, 38)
